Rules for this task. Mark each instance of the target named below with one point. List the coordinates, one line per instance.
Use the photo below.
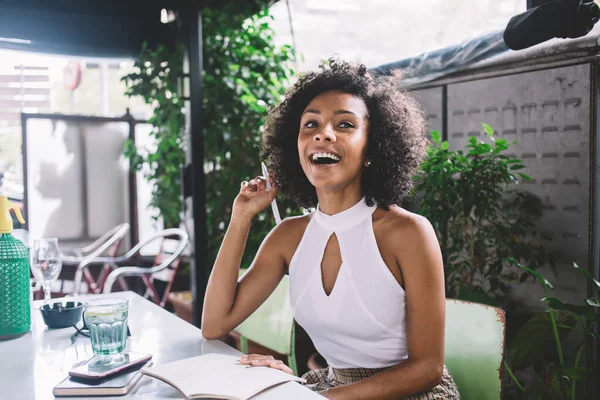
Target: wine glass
(46, 263)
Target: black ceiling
(91, 28)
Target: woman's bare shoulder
(287, 235)
(401, 225)
(399, 217)
(292, 226)
(296, 221)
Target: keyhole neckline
(339, 271)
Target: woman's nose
(325, 135)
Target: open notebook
(218, 376)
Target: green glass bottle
(15, 312)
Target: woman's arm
(418, 254)
(228, 303)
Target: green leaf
(531, 272)
(488, 129)
(499, 146)
(586, 273)
(592, 302)
(473, 140)
(575, 373)
(435, 135)
(559, 385)
(445, 145)
(535, 340)
(517, 167)
(585, 311)
(483, 148)
(522, 175)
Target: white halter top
(362, 323)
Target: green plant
(479, 223)
(155, 78)
(244, 73)
(540, 343)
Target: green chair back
(272, 324)
(474, 348)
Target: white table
(30, 366)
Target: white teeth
(325, 155)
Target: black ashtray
(62, 316)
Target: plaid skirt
(327, 378)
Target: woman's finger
(261, 181)
(271, 363)
(259, 357)
(256, 184)
(278, 364)
(247, 359)
(251, 186)
(259, 360)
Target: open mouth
(325, 158)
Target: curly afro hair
(396, 142)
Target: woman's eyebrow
(311, 111)
(338, 112)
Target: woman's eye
(311, 124)
(346, 124)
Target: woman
(366, 276)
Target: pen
(274, 202)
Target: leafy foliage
(539, 344)
(155, 78)
(244, 73)
(479, 223)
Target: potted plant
(478, 220)
(541, 343)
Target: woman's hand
(253, 197)
(257, 360)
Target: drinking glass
(46, 263)
(106, 320)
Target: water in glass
(107, 322)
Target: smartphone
(98, 367)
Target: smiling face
(332, 141)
